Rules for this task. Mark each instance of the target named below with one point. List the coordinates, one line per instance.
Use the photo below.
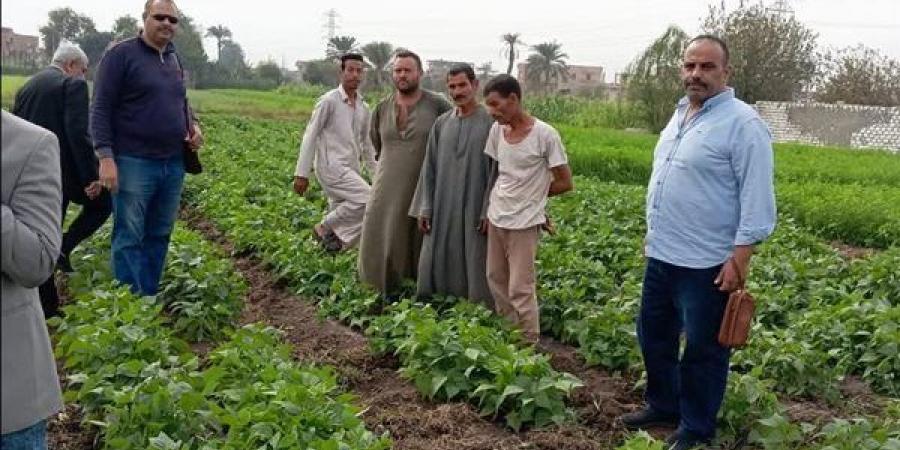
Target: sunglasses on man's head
(163, 17)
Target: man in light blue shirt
(711, 198)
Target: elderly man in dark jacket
(56, 98)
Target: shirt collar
(170, 47)
(345, 97)
(456, 111)
(719, 98)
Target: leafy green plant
(144, 388)
(200, 288)
(454, 352)
(821, 318)
(642, 441)
(857, 434)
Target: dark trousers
(675, 300)
(92, 216)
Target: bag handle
(737, 270)
(188, 112)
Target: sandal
(332, 243)
(319, 237)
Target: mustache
(694, 82)
(459, 97)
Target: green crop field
(590, 283)
(822, 369)
(8, 87)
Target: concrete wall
(830, 124)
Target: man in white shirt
(336, 138)
(532, 166)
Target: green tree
(653, 80)
(773, 55)
(546, 65)
(269, 71)
(189, 43)
(64, 23)
(220, 33)
(125, 27)
(94, 43)
(860, 75)
(379, 56)
(341, 45)
(512, 42)
(232, 61)
(322, 72)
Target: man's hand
(195, 137)
(93, 189)
(425, 224)
(549, 227)
(730, 278)
(483, 226)
(301, 184)
(109, 175)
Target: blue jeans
(31, 438)
(144, 212)
(677, 299)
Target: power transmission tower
(781, 7)
(330, 26)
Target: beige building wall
(582, 80)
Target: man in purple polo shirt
(141, 123)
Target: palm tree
(341, 45)
(379, 56)
(221, 33)
(547, 64)
(511, 41)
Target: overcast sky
(603, 33)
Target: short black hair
(351, 57)
(462, 68)
(504, 85)
(716, 40)
(409, 54)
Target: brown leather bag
(738, 316)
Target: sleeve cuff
(104, 152)
(752, 236)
